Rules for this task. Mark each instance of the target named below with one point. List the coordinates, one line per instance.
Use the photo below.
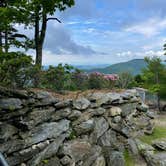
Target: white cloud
(151, 27)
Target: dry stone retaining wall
(39, 129)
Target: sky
(106, 32)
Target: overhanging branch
(54, 18)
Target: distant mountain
(134, 67)
(89, 67)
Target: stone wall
(39, 129)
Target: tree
(155, 77)
(10, 14)
(40, 10)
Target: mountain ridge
(134, 66)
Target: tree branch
(54, 18)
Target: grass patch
(129, 161)
(159, 132)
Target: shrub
(16, 70)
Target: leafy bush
(16, 70)
(57, 78)
(79, 80)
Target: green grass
(129, 161)
(158, 133)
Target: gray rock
(84, 127)
(157, 159)
(75, 114)
(100, 161)
(108, 138)
(128, 109)
(151, 114)
(54, 161)
(143, 107)
(45, 98)
(61, 114)
(76, 149)
(117, 119)
(46, 131)
(63, 104)
(48, 152)
(10, 104)
(160, 144)
(133, 147)
(97, 111)
(12, 146)
(101, 126)
(66, 160)
(114, 158)
(81, 104)
(143, 147)
(7, 131)
(92, 156)
(37, 116)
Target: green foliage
(58, 78)
(96, 81)
(129, 161)
(158, 133)
(154, 76)
(16, 69)
(125, 80)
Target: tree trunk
(39, 41)
(1, 42)
(6, 40)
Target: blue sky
(106, 32)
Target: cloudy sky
(106, 32)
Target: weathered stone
(10, 103)
(115, 111)
(143, 147)
(108, 138)
(54, 161)
(84, 127)
(7, 131)
(151, 114)
(46, 131)
(81, 104)
(100, 161)
(76, 149)
(75, 114)
(61, 114)
(143, 107)
(101, 126)
(97, 111)
(133, 147)
(48, 152)
(12, 146)
(91, 157)
(37, 116)
(160, 144)
(63, 104)
(128, 109)
(117, 119)
(66, 160)
(114, 158)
